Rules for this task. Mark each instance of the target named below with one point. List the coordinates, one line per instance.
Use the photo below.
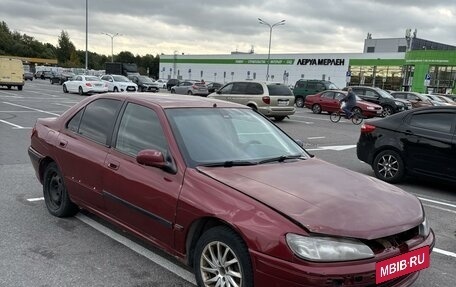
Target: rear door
(328, 102)
(429, 143)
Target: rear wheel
(279, 118)
(389, 166)
(222, 259)
(189, 93)
(335, 117)
(115, 89)
(316, 109)
(81, 91)
(19, 88)
(56, 197)
(65, 90)
(299, 101)
(387, 111)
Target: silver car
(271, 99)
(190, 88)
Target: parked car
(213, 86)
(85, 85)
(447, 100)
(381, 97)
(37, 74)
(190, 88)
(46, 75)
(161, 83)
(303, 88)
(119, 83)
(171, 83)
(417, 142)
(246, 205)
(60, 78)
(416, 99)
(271, 99)
(435, 100)
(28, 76)
(145, 84)
(328, 101)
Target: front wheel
(316, 109)
(222, 259)
(357, 118)
(299, 101)
(387, 111)
(279, 118)
(56, 197)
(189, 93)
(65, 90)
(335, 117)
(115, 90)
(81, 91)
(389, 166)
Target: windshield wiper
(281, 158)
(230, 163)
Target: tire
(279, 118)
(115, 90)
(56, 197)
(173, 91)
(389, 166)
(224, 243)
(316, 109)
(19, 88)
(387, 111)
(80, 91)
(357, 119)
(52, 83)
(65, 90)
(299, 101)
(189, 93)
(335, 117)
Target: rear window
(199, 84)
(279, 90)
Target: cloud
(219, 27)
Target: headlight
(424, 228)
(370, 108)
(327, 248)
(400, 103)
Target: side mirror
(150, 157)
(219, 92)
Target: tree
(65, 49)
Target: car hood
(325, 198)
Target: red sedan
(328, 101)
(210, 183)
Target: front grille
(131, 89)
(396, 240)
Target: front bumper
(277, 111)
(274, 272)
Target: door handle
(63, 143)
(408, 132)
(113, 165)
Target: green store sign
(230, 61)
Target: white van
(11, 73)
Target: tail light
(367, 128)
(195, 87)
(88, 84)
(266, 100)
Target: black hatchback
(416, 142)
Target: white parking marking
(43, 94)
(335, 147)
(35, 199)
(314, 138)
(179, 271)
(14, 125)
(33, 109)
(436, 201)
(444, 252)
(440, 208)
(295, 121)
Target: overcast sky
(221, 26)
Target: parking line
(308, 123)
(440, 208)
(33, 109)
(314, 138)
(438, 202)
(14, 125)
(179, 271)
(35, 199)
(444, 252)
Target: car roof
(167, 101)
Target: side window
(358, 91)
(98, 119)
(412, 97)
(339, 96)
(300, 84)
(239, 88)
(254, 89)
(433, 121)
(140, 129)
(73, 124)
(226, 89)
(328, 95)
(371, 94)
(320, 87)
(401, 96)
(311, 85)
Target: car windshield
(145, 79)
(435, 98)
(229, 135)
(279, 90)
(384, 94)
(332, 86)
(120, 79)
(93, 79)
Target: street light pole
(270, 37)
(112, 43)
